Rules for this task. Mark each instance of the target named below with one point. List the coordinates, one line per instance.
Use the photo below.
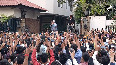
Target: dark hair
(56, 63)
(91, 46)
(102, 57)
(63, 58)
(4, 62)
(86, 56)
(4, 50)
(104, 60)
(20, 50)
(83, 49)
(74, 46)
(44, 57)
(101, 53)
(13, 56)
(57, 49)
(20, 59)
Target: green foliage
(96, 7)
(5, 18)
(78, 14)
(79, 10)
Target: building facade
(55, 11)
(24, 13)
(54, 7)
(96, 22)
(16, 12)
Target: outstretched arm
(33, 57)
(95, 43)
(28, 50)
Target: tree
(3, 21)
(92, 7)
(5, 18)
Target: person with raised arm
(44, 57)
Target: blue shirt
(54, 27)
(78, 56)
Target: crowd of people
(98, 47)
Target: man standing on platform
(71, 23)
(53, 26)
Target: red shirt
(34, 59)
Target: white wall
(16, 12)
(97, 22)
(47, 4)
(62, 10)
(6, 11)
(52, 7)
(29, 14)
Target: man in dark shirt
(71, 23)
(71, 20)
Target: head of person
(4, 62)
(20, 49)
(20, 59)
(56, 63)
(12, 56)
(85, 57)
(74, 46)
(63, 58)
(53, 21)
(102, 57)
(57, 50)
(44, 58)
(83, 49)
(40, 50)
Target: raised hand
(111, 55)
(72, 54)
(38, 40)
(29, 50)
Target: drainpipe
(112, 10)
